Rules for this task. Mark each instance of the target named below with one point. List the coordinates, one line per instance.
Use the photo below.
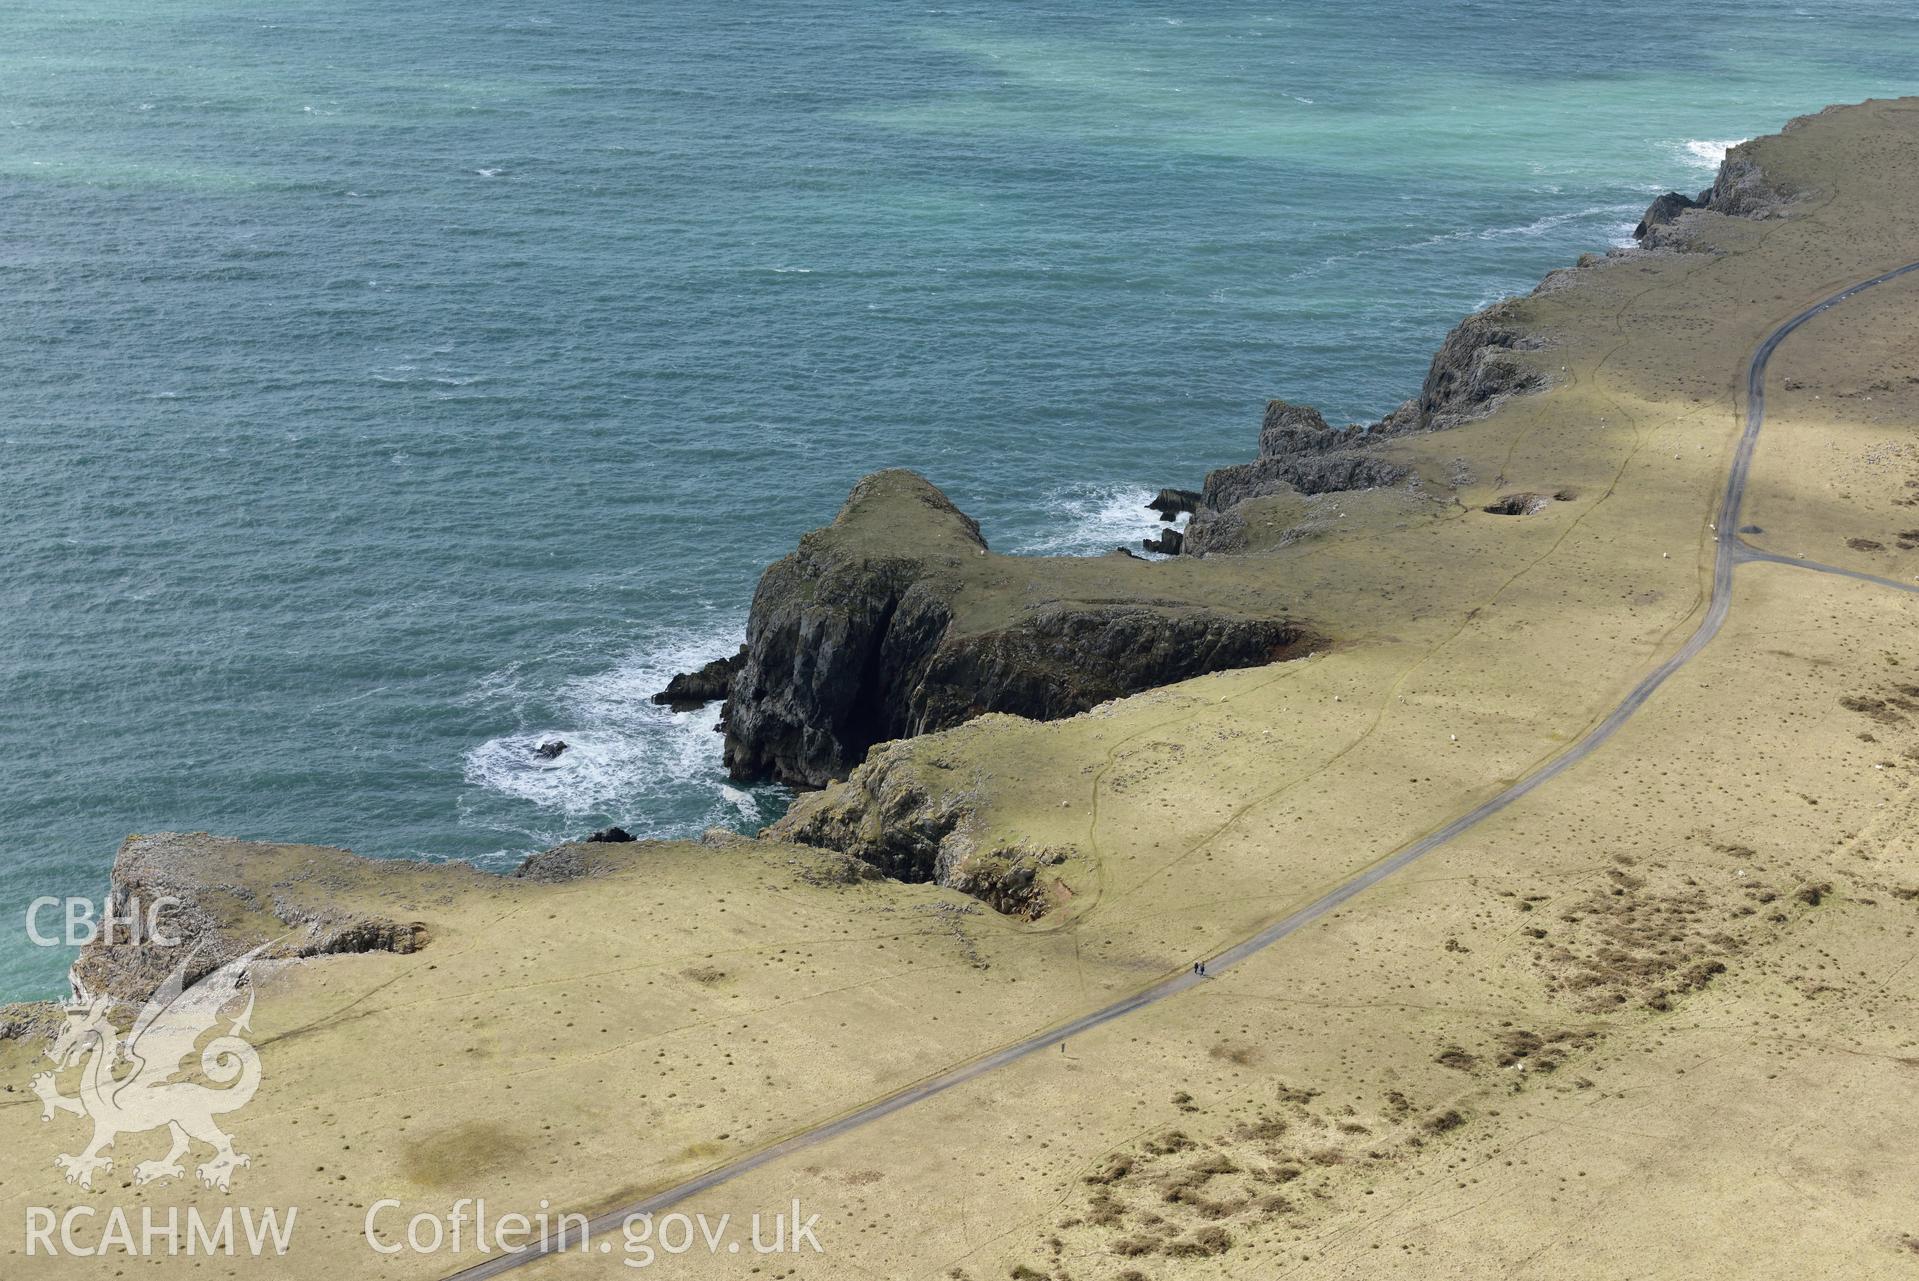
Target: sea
(384, 388)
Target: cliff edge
(897, 620)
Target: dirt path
(1730, 551)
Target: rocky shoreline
(860, 636)
(895, 621)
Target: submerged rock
(894, 620)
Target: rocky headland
(1455, 1067)
(897, 620)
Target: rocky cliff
(1739, 190)
(896, 620)
(215, 898)
(1480, 363)
(909, 818)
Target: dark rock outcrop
(1288, 429)
(1173, 503)
(570, 862)
(1215, 531)
(610, 836)
(697, 688)
(1477, 366)
(1665, 210)
(1480, 363)
(1742, 190)
(1739, 190)
(1298, 452)
(1314, 474)
(1166, 544)
(895, 621)
(550, 749)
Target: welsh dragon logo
(139, 1082)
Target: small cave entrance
(1518, 505)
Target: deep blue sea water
(383, 386)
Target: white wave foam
(748, 808)
(1091, 520)
(1533, 230)
(654, 771)
(1706, 153)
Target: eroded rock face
(895, 621)
(1665, 210)
(697, 688)
(1739, 190)
(1481, 362)
(1326, 473)
(215, 911)
(890, 816)
(31, 1021)
(1477, 366)
(1173, 503)
(1215, 531)
(1742, 190)
(837, 628)
(1299, 453)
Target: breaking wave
(1091, 520)
(628, 761)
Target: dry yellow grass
(1703, 930)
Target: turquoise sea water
(384, 386)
